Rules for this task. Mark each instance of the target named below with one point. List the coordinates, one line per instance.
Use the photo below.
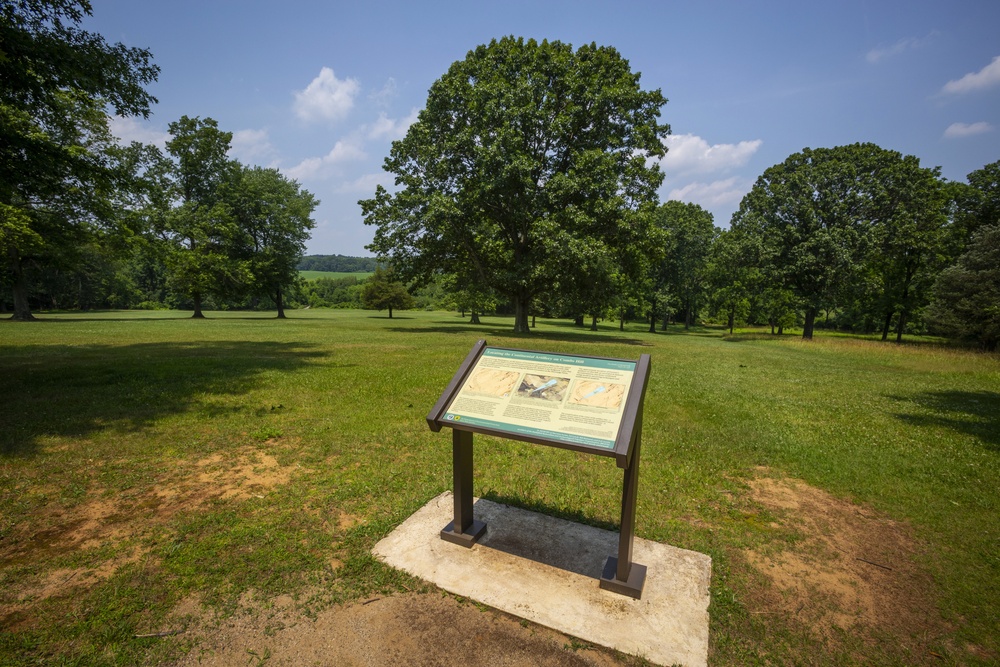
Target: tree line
(527, 185)
(338, 264)
(530, 180)
(86, 221)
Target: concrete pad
(546, 570)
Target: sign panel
(566, 398)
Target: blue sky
(320, 89)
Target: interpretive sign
(583, 403)
(571, 399)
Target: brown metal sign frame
(620, 574)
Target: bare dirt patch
(413, 629)
(851, 572)
(99, 521)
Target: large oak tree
(530, 163)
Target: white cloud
(387, 128)
(984, 78)
(960, 130)
(252, 146)
(385, 95)
(320, 167)
(131, 129)
(690, 154)
(717, 194)
(367, 183)
(326, 97)
(883, 52)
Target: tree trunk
(19, 288)
(390, 312)
(887, 325)
(902, 310)
(196, 297)
(666, 319)
(772, 327)
(281, 306)
(593, 323)
(732, 319)
(781, 330)
(807, 330)
(621, 319)
(521, 313)
(475, 318)
(652, 319)
(687, 317)
(463, 313)
(578, 320)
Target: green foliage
(196, 221)
(338, 264)
(526, 167)
(967, 295)
(334, 292)
(333, 275)
(273, 219)
(383, 291)
(836, 223)
(688, 235)
(58, 165)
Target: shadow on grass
(976, 413)
(72, 391)
(492, 330)
(756, 335)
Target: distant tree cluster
(86, 222)
(338, 264)
(861, 233)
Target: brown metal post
(464, 529)
(630, 487)
(620, 574)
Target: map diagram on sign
(571, 399)
(597, 394)
(492, 382)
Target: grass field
(147, 459)
(316, 275)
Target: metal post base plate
(466, 538)
(632, 587)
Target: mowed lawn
(148, 460)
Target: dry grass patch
(850, 575)
(109, 531)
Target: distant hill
(337, 263)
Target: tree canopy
(273, 219)
(197, 221)
(827, 220)
(382, 290)
(967, 295)
(529, 165)
(688, 236)
(58, 164)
